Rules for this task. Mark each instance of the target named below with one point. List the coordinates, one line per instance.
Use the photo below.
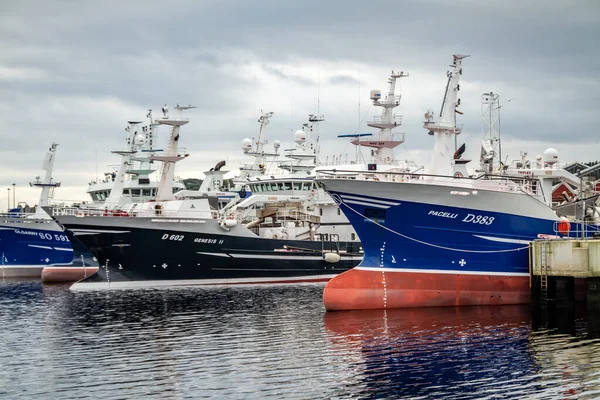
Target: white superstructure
(134, 180)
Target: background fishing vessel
(185, 242)
(30, 240)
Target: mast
(445, 128)
(252, 147)
(490, 117)
(133, 140)
(314, 120)
(165, 186)
(46, 184)
(386, 122)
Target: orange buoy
(564, 226)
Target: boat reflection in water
(437, 352)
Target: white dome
(375, 94)
(247, 145)
(140, 139)
(300, 136)
(550, 156)
(276, 144)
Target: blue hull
(25, 251)
(418, 254)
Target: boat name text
(208, 241)
(479, 219)
(44, 236)
(442, 214)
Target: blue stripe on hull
(420, 236)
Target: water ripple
(278, 342)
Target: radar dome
(276, 144)
(247, 145)
(140, 139)
(300, 136)
(375, 94)
(550, 156)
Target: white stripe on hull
(441, 271)
(280, 256)
(62, 249)
(503, 240)
(77, 231)
(84, 286)
(372, 201)
(364, 203)
(40, 247)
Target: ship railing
(128, 212)
(572, 228)
(491, 182)
(395, 120)
(395, 100)
(16, 215)
(295, 215)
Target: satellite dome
(247, 145)
(300, 136)
(276, 144)
(550, 156)
(140, 139)
(375, 94)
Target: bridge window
(297, 185)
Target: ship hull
(371, 288)
(144, 252)
(27, 247)
(428, 245)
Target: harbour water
(278, 342)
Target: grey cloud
(142, 54)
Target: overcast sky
(74, 72)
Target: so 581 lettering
(479, 219)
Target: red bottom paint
(359, 289)
(67, 274)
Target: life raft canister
(564, 226)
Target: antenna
(319, 90)
(358, 79)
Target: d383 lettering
(479, 219)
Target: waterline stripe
(82, 286)
(441, 271)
